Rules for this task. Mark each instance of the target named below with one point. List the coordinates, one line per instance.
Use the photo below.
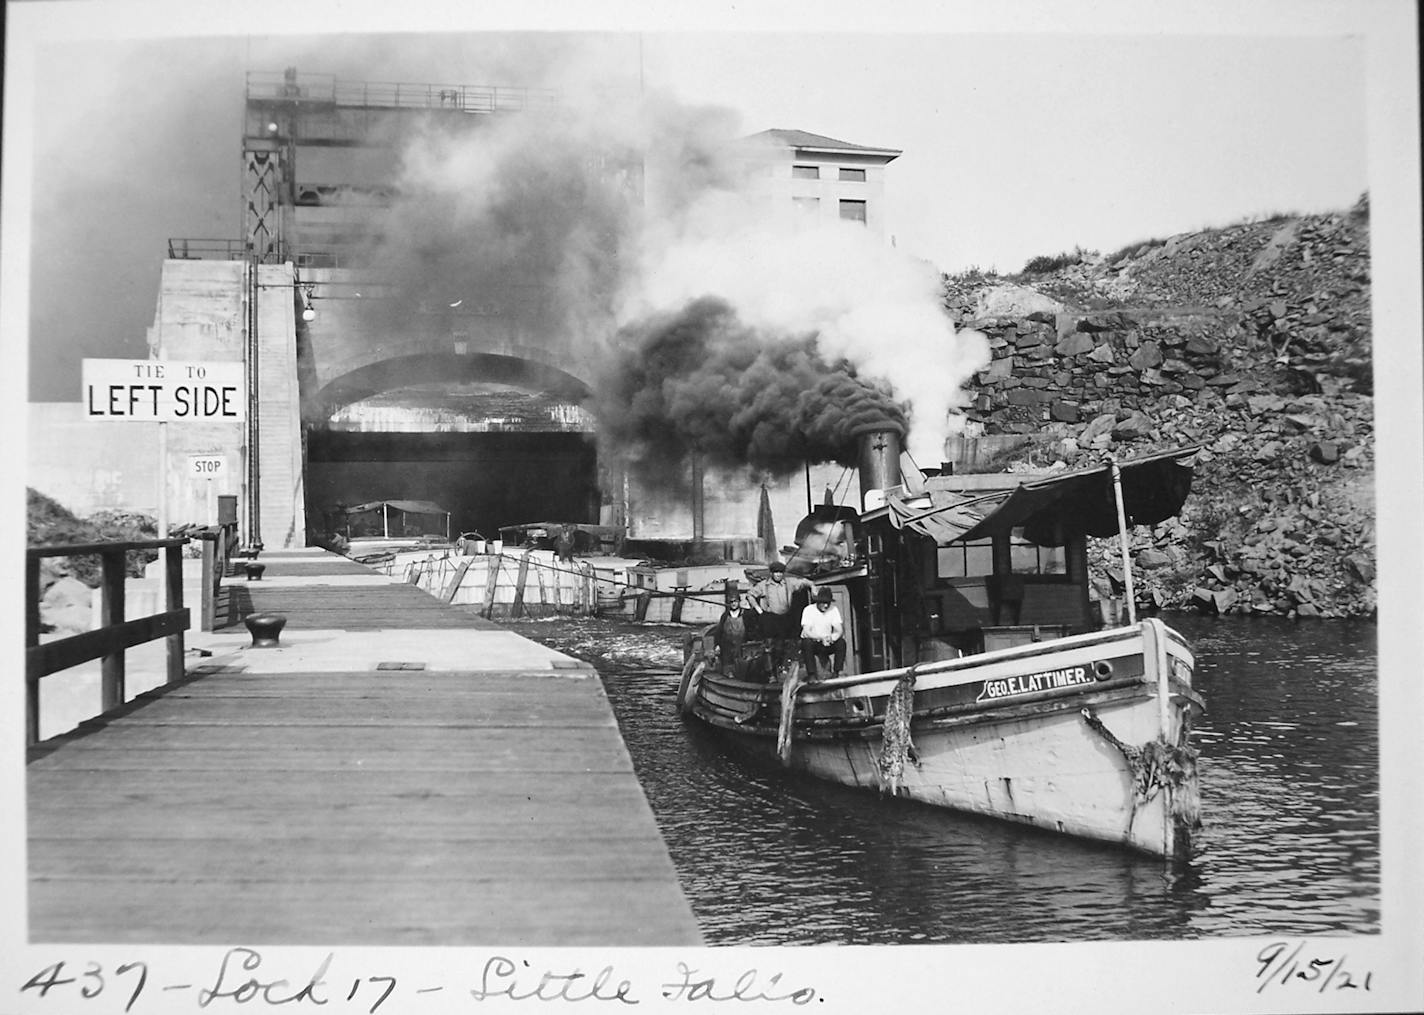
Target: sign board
(207, 466)
(1032, 683)
(166, 391)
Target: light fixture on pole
(308, 311)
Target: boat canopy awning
(410, 507)
(1051, 508)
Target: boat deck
(396, 772)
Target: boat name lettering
(1028, 683)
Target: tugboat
(979, 674)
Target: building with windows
(804, 174)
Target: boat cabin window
(1030, 558)
(966, 560)
(966, 597)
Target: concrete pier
(395, 772)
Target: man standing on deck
(731, 633)
(822, 635)
(564, 546)
(771, 599)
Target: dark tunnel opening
(484, 479)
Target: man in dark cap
(770, 598)
(731, 633)
(822, 635)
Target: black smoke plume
(702, 380)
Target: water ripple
(1289, 770)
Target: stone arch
(424, 368)
(486, 478)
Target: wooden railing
(219, 548)
(115, 634)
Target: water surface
(1290, 799)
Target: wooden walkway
(423, 803)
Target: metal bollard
(266, 628)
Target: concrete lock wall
(199, 317)
(359, 325)
(282, 498)
(89, 464)
(202, 317)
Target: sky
(1020, 145)
(1015, 143)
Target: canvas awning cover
(413, 507)
(1056, 506)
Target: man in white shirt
(822, 635)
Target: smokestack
(879, 463)
(699, 511)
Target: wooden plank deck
(352, 805)
(341, 607)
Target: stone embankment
(1251, 342)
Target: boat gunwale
(944, 716)
(1118, 635)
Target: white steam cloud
(579, 221)
(868, 302)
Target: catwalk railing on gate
(536, 583)
(529, 583)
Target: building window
(805, 172)
(853, 211)
(807, 205)
(852, 175)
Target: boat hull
(1086, 736)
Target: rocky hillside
(48, 523)
(1251, 341)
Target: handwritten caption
(1281, 966)
(244, 978)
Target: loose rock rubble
(1251, 342)
(50, 524)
